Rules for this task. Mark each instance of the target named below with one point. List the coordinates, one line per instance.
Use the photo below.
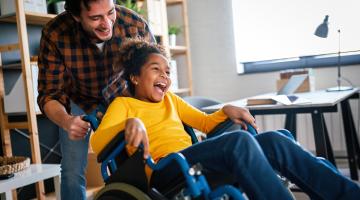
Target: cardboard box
(307, 86)
(14, 100)
(37, 6)
(93, 172)
(304, 87)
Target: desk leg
(57, 187)
(329, 149)
(290, 123)
(350, 138)
(322, 142)
(6, 195)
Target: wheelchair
(125, 178)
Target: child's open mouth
(160, 86)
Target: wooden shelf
(181, 90)
(170, 2)
(31, 18)
(178, 49)
(181, 53)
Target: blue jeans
(73, 163)
(254, 161)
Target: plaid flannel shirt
(71, 68)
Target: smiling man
(77, 53)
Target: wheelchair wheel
(121, 191)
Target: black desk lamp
(322, 31)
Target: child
(153, 116)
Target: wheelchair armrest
(111, 146)
(223, 126)
(251, 129)
(220, 128)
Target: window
(279, 34)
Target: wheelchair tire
(120, 191)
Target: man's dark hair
(74, 6)
(134, 53)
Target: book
(274, 99)
(260, 101)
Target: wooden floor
(91, 192)
(303, 196)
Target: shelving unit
(177, 15)
(21, 19)
(159, 14)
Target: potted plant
(58, 5)
(174, 30)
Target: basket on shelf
(9, 165)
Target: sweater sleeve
(112, 123)
(196, 118)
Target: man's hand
(239, 116)
(73, 125)
(76, 128)
(135, 133)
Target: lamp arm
(340, 78)
(346, 80)
(339, 57)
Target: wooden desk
(33, 174)
(320, 103)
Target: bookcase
(177, 15)
(160, 14)
(22, 19)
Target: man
(77, 52)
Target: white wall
(214, 69)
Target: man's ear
(77, 18)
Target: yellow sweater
(163, 123)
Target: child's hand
(239, 116)
(135, 133)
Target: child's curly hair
(134, 53)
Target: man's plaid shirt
(71, 68)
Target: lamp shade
(323, 29)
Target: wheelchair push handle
(92, 120)
(93, 116)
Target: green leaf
(174, 29)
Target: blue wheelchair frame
(196, 183)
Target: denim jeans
(73, 163)
(254, 161)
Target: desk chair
(200, 102)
